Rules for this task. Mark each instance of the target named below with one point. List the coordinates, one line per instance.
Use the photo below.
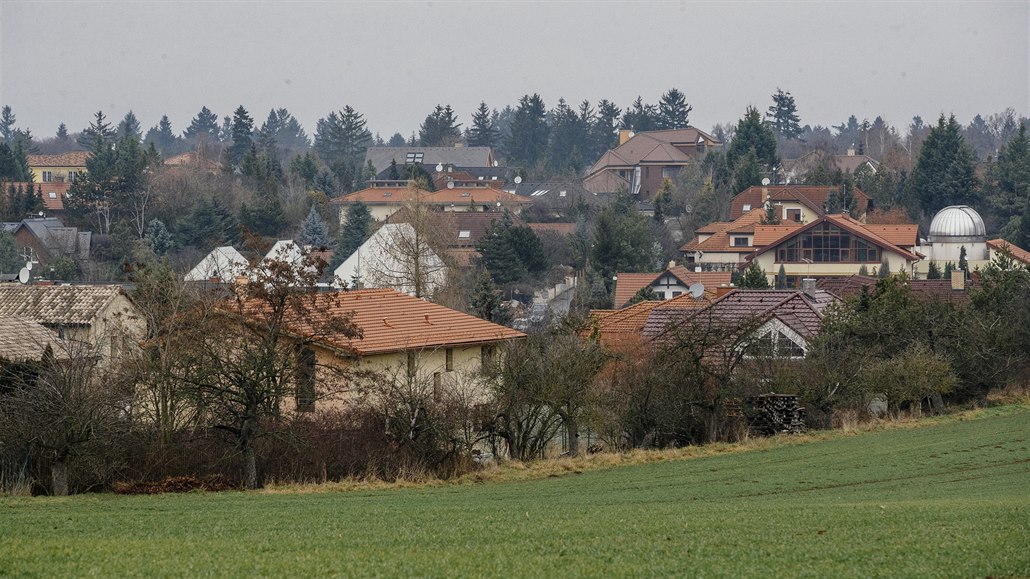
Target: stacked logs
(771, 413)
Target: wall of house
(24, 238)
(57, 173)
(767, 261)
(379, 212)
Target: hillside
(948, 499)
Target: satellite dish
(23, 275)
(495, 163)
(28, 265)
(450, 184)
(439, 167)
(765, 181)
(696, 291)
(518, 180)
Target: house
(64, 167)
(222, 265)
(622, 330)
(668, 284)
(724, 245)
(797, 203)
(559, 199)
(53, 193)
(1019, 254)
(100, 315)
(195, 160)
(387, 259)
(795, 170)
(833, 245)
(384, 198)
(781, 322)
(955, 290)
(400, 334)
(643, 160)
(429, 157)
(44, 239)
(22, 340)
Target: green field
(951, 499)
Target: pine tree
(485, 301)
(98, 130)
(933, 271)
(204, 126)
(129, 127)
(885, 269)
(482, 133)
(783, 115)
(673, 110)
(313, 231)
(945, 173)
(158, 238)
(354, 232)
(7, 120)
(754, 277)
(781, 278)
(242, 138)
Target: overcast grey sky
(61, 61)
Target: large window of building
(827, 243)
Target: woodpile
(771, 413)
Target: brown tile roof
(1018, 253)
(391, 321)
(900, 235)
(766, 234)
(927, 289)
(849, 224)
(812, 196)
(57, 305)
(720, 233)
(559, 228)
(654, 147)
(54, 192)
(70, 159)
(628, 284)
(24, 339)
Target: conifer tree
(641, 117)
(242, 138)
(7, 120)
(129, 127)
(864, 271)
(753, 134)
(313, 231)
(485, 301)
(962, 263)
(483, 132)
(885, 269)
(158, 238)
(754, 277)
(440, 129)
(781, 278)
(948, 268)
(528, 134)
(98, 129)
(673, 110)
(945, 173)
(933, 271)
(203, 126)
(62, 133)
(355, 230)
(783, 115)
(162, 137)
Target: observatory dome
(957, 223)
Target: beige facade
(767, 261)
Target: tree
(568, 133)
(62, 133)
(281, 130)
(781, 278)
(129, 127)
(485, 301)
(14, 164)
(158, 238)
(116, 183)
(243, 377)
(603, 131)
(7, 120)
(407, 256)
(440, 129)
(623, 241)
(885, 269)
(528, 134)
(342, 136)
(673, 110)
(208, 225)
(483, 132)
(72, 408)
(10, 258)
(753, 134)
(933, 271)
(313, 231)
(355, 230)
(242, 138)
(203, 127)
(841, 199)
(641, 117)
(783, 115)
(747, 172)
(397, 140)
(1007, 184)
(945, 173)
(962, 263)
(754, 277)
(98, 130)
(510, 251)
(162, 137)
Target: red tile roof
(70, 159)
(927, 289)
(456, 196)
(849, 224)
(719, 232)
(628, 284)
(812, 196)
(901, 235)
(1018, 253)
(391, 321)
(54, 192)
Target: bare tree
(407, 254)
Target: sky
(60, 61)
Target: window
(747, 207)
(676, 294)
(794, 215)
(464, 234)
(449, 357)
(305, 380)
(700, 148)
(562, 193)
(669, 172)
(775, 344)
(72, 176)
(412, 158)
(740, 242)
(52, 194)
(48, 176)
(826, 243)
(487, 355)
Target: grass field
(951, 499)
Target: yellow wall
(771, 267)
(59, 173)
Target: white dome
(957, 221)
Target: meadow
(948, 497)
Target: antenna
(696, 291)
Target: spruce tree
(781, 278)
(1008, 183)
(10, 256)
(962, 263)
(129, 127)
(641, 117)
(748, 172)
(753, 134)
(482, 133)
(603, 134)
(783, 117)
(528, 134)
(397, 140)
(242, 138)
(7, 120)
(933, 271)
(945, 173)
(673, 110)
(158, 238)
(354, 232)
(62, 133)
(754, 277)
(162, 137)
(313, 231)
(342, 137)
(98, 130)
(485, 301)
(203, 126)
(948, 268)
(440, 129)
(885, 269)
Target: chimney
(625, 135)
(808, 286)
(851, 150)
(958, 280)
(723, 290)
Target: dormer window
(740, 242)
(412, 158)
